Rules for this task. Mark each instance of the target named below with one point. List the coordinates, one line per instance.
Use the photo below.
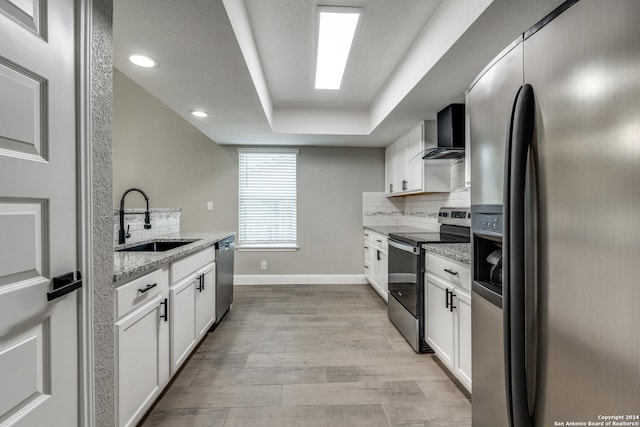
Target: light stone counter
(129, 264)
(460, 252)
(389, 229)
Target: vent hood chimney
(450, 134)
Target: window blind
(267, 198)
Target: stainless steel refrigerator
(555, 148)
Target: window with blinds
(267, 198)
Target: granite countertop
(142, 210)
(127, 264)
(460, 252)
(388, 229)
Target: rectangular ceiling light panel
(336, 30)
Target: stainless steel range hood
(450, 134)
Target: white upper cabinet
(399, 164)
(389, 159)
(413, 160)
(406, 172)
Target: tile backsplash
(163, 221)
(418, 210)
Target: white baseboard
(299, 279)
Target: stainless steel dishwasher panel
(224, 276)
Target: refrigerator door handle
(518, 145)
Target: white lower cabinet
(193, 304)
(448, 315)
(380, 271)
(182, 297)
(160, 318)
(142, 345)
(376, 261)
(206, 300)
(463, 343)
(192, 298)
(440, 319)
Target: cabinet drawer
(446, 269)
(137, 292)
(379, 240)
(191, 263)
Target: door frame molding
(86, 386)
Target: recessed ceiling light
(198, 113)
(143, 61)
(336, 30)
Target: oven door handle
(403, 247)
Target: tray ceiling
(250, 63)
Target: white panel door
(38, 339)
(182, 320)
(206, 297)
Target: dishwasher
(224, 276)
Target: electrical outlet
(209, 206)
(263, 265)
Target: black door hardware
(64, 284)
(165, 316)
(147, 288)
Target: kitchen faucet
(147, 219)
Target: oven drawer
(454, 272)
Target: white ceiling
(288, 57)
(250, 63)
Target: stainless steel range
(406, 272)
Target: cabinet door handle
(165, 316)
(366, 247)
(404, 184)
(390, 188)
(147, 288)
(379, 241)
(455, 273)
(366, 266)
(451, 306)
(446, 298)
(202, 282)
(378, 255)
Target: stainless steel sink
(157, 246)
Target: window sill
(266, 248)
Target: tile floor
(309, 355)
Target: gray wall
(177, 166)
(330, 185)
